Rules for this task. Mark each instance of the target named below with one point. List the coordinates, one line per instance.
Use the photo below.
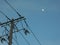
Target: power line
(8, 19)
(12, 7)
(15, 26)
(4, 14)
(14, 10)
(24, 38)
(32, 32)
(24, 21)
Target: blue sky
(45, 25)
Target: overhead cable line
(32, 32)
(4, 14)
(15, 11)
(5, 27)
(24, 21)
(24, 38)
(12, 7)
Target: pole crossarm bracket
(15, 20)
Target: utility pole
(11, 33)
(13, 26)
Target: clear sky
(45, 24)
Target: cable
(6, 17)
(32, 32)
(25, 22)
(4, 14)
(14, 10)
(15, 25)
(12, 7)
(24, 38)
(6, 29)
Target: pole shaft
(11, 33)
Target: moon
(43, 10)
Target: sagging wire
(4, 26)
(8, 19)
(5, 30)
(24, 21)
(14, 10)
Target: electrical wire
(14, 10)
(24, 38)
(4, 14)
(6, 17)
(32, 32)
(12, 7)
(4, 26)
(25, 22)
(15, 25)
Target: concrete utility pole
(11, 33)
